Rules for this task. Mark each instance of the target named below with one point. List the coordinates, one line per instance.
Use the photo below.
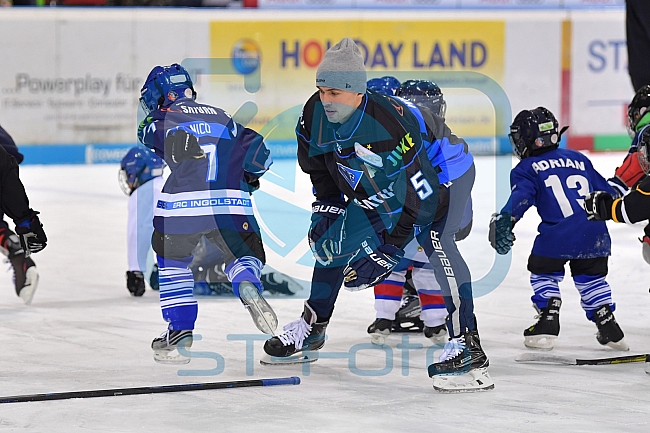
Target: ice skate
(25, 272)
(26, 277)
(263, 315)
(165, 347)
(278, 283)
(542, 334)
(379, 330)
(299, 343)
(437, 334)
(462, 366)
(407, 318)
(609, 333)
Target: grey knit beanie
(342, 68)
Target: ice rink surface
(83, 331)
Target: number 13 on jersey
(573, 182)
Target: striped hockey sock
(179, 307)
(545, 286)
(594, 293)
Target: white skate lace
(452, 348)
(295, 332)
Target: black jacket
(13, 198)
(377, 159)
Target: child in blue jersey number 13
(556, 181)
(215, 165)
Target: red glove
(630, 172)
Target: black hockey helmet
(424, 93)
(637, 109)
(534, 132)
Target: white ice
(83, 331)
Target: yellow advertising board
(289, 53)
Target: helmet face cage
(164, 85)
(643, 153)
(637, 108)
(137, 167)
(425, 94)
(385, 85)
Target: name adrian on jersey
(554, 163)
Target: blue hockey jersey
(556, 182)
(213, 192)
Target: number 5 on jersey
(422, 186)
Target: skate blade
(170, 357)
(31, 282)
(477, 379)
(289, 360)
(647, 367)
(619, 345)
(540, 342)
(378, 338)
(263, 315)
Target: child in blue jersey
(215, 164)
(556, 181)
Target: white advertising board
(600, 84)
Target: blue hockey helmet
(164, 85)
(424, 93)
(385, 85)
(534, 132)
(138, 167)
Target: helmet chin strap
(564, 128)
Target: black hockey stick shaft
(614, 360)
(151, 389)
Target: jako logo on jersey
(437, 247)
(374, 201)
(353, 177)
(198, 110)
(404, 146)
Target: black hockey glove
(326, 230)
(500, 235)
(373, 268)
(32, 236)
(135, 283)
(181, 146)
(598, 205)
(252, 181)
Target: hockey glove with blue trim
(32, 236)
(373, 268)
(598, 205)
(326, 230)
(181, 146)
(500, 235)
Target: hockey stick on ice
(555, 359)
(151, 389)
